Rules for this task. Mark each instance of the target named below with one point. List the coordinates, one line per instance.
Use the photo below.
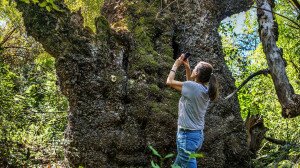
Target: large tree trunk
(268, 31)
(115, 79)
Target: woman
(199, 89)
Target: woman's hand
(179, 61)
(186, 63)
(188, 72)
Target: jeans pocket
(193, 142)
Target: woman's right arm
(171, 77)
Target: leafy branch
(47, 4)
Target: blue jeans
(188, 141)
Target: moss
(102, 28)
(152, 56)
(154, 90)
(155, 107)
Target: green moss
(102, 27)
(154, 88)
(155, 107)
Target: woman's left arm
(170, 80)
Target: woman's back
(192, 106)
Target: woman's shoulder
(195, 86)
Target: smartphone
(186, 56)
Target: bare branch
(264, 71)
(276, 141)
(9, 47)
(296, 3)
(8, 36)
(294, 6)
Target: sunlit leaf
(169, 155)
(26, 1)
(48, 8)
(43, 4)
(196, 155)
(154, 151)
(154, 165)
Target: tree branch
(60, 30)
(268, 32)
(264, 71)
(296, 3)
(8, 36)
(276, 141)
(278, 15)
(8, 47)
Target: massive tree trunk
(115, 79)
(268, 31)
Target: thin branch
(293, 26)
(8, 47)
(295, 66)
(164, 8)
(45, 112)
(296, 3)
(294, 6)
(276, 141)
(8, 36)
(264, 71)
(278, 15)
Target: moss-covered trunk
(115, 79)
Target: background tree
(32, 110)
(258, 96)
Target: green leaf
(26, 1)
(169, 155)
(196, 155)
(154, 165)
(154, 151)
(43, 4)
(175, 166)
(35, 1)
(48, 8)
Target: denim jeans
(188, 141)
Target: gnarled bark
(114, 79)
(255, 131)
(268, 31)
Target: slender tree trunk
(115, 79)
(268, 31)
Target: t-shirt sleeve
(187, 88)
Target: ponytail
(213, 88)
(205, 71)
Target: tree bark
(115, 79)
(268, 31)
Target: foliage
(33, 114)
(259, 96)
(47, 4)
(161, 158)
(33, 111)
(90, 9)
